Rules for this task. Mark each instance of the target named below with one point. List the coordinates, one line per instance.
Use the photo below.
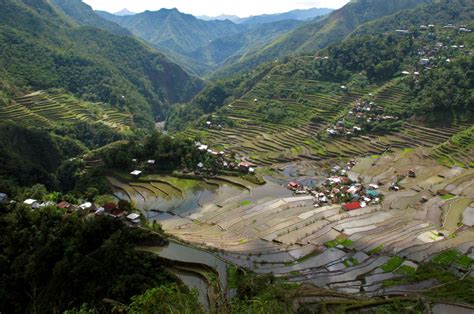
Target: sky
(241, 8)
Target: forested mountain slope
(199, 45)
(84, 15)
(319, 34)
(419, 84)
(40, 49)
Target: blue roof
(372, 193)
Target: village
(122, 210)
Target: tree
(166, 299)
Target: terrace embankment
(271, 231)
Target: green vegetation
(450, 257)
(50, 260)
(232, 276)
(261, 294)
(200, 46)
(392, 264)
(405, 270)
(165, 299)
(338, 241)
(447, 196)
(450, 287)
(319, 33)
(376, 250)
(458, 150)
(96, 65)
(245, 203)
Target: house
(200, 165)
(424, 61)
(151, 162)
(406, 73)
(34, 204)
(112, 210)
(136, 173)
(3, 198)
(372, 193)
(203, 148)
(293, 185)
(351, 206)
(411, 173)
(87, 206)
(245, 166)
(134, 218)
(64, 205)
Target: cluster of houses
(339, 189)
(429, 53)
(363, 112)
(108, 209)
(223, 162)
(210, 125)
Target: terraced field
(314, 106)
(44, 109)
(271, 231)
(458, 150)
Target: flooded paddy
(270, 230)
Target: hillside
(299, 15)
(85, 16)
(41, 49)
(291, 112)
(199, 45)
(319, 34)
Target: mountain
(221, 49)
(124, 12)
(173, 30)
(85, 16)
(222, 17)
(320, 33)
(42, 48)
(299, 15)
(200, 46)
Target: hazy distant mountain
(197, 44)
(222, 17)
(299, 15)
(124, 12)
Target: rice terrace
(317, 160)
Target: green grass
(392, 264)
(446, 258)
(405, 270)
(338, 241)
(464, 261)
(245, 203)
(447, 196)
(232, 276)
(376, 250)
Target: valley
(311, 161)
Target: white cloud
(214, 7)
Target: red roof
(293, 184)
(246, 164)
(109, 207)
(63, 205)
(351, 206)
(116, 212)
